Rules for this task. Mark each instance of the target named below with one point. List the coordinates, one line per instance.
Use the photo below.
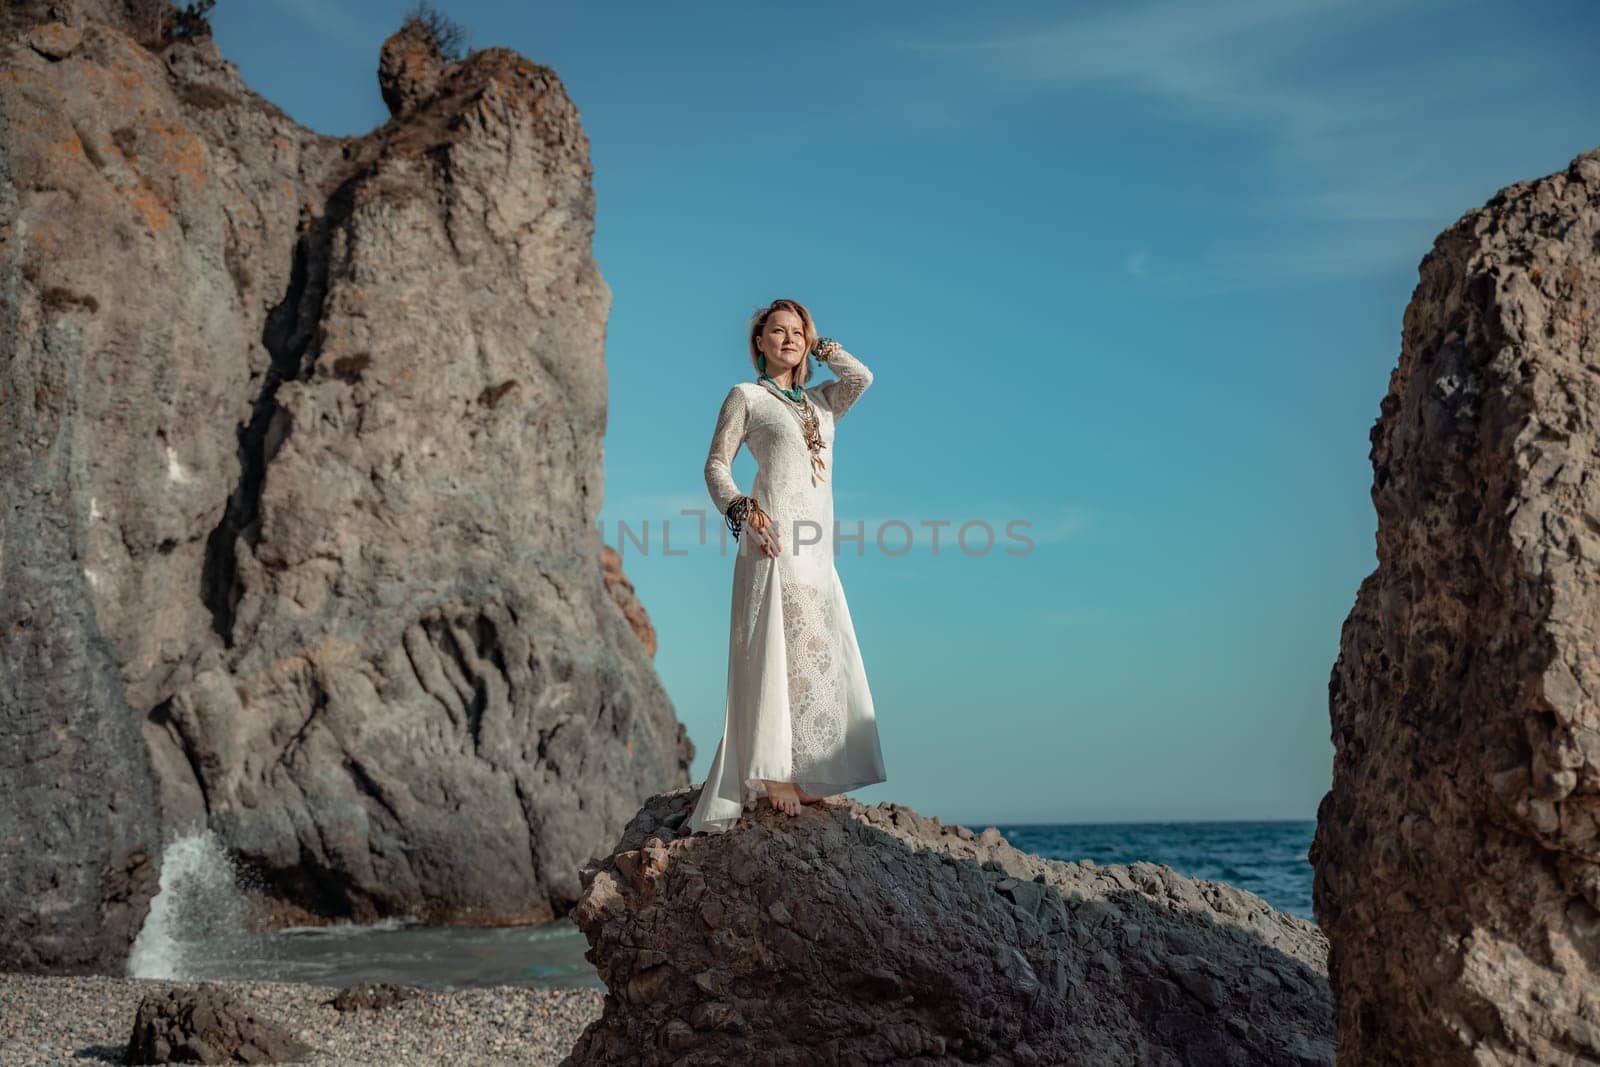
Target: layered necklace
(810, 426)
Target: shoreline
(87, 1019)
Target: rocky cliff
(301, 450)
(853, 934)
(1457, 854)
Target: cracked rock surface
(204, 1024)
(301, 457)
(1457, 854)
(853, 934)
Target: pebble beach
(87, 1020)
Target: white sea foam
(342, 927)
(199, 903)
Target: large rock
(410, 67)
(851, 934)
(204, 1024)
(301, 450)
(78, 829)
(1457, 854)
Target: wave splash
(201, 902)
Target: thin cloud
(329, 21)
(659, 505)
(1353, 154)
(1227, 61)
(1350, 255)
(661, 520)
(1060, 527)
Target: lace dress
(798, 706)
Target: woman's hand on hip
(766, 532)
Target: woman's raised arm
(853, 379)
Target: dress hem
(755, 791)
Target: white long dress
(798, 705)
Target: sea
(195, 928)
(1270, 859)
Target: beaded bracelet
(737, 512)
(740, 511)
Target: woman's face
(783, 341)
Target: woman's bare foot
(806, 798)
(783, 797)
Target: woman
(799, 720)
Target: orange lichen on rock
(54, 39)
(141, 90)
(182, 150)
(151, 207)
(45, 237)
(64, 153)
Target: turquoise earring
(761, 358)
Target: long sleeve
(725, 443)
(853, 379)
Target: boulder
(872, 934)
(301, 452)
(372, 996)
(1457, 853)
(203, 1024)
(410, 67)
(54, 40)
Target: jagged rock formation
(77, 826)
(1457, 854)
(203, 1024)
(300, 443)
(623, 595)
(851, 934)
(410, 68)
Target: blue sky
(1133, 273)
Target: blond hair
(758, 322)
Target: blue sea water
(1267, 858)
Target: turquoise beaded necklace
(796, 393)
